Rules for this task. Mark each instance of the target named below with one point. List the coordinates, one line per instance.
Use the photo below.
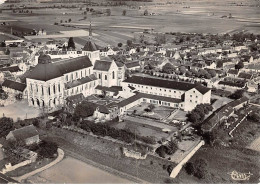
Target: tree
(108, 11)
(212, 73)
(129, 42)
(161, 151)
(254, 117)
(237, 94)
(189, 167)
(182, 70)
(84, 109)
(124, 13)
(168, 68)
(13, 151)
(146, 12)
(2, 44)
(69, 20)
(6, 125)
(193, 117)
(219, 64)
(239, 65)
(201, 168)
(172, 147)
(61, 21)
(151, 107)
(47, 149)
(119, 44)
(71, 43)
(188, 74)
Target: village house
(13, 87)
(134, 65)
(28, 134)
(232, 73)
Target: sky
(2, 1)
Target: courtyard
(19, 109)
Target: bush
(189, 167)
(84, 109)
(161, 151)
(47, 149)
(172, 147)
(201, 170)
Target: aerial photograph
(129, 92)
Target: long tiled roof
(45, 72)
(14, 85)
(132, 64)
(11, 69)
(166, 84)
(78, 82)
(25, 132)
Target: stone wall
(133, 154)
(9, 167)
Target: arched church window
(105, 77)
(54, 89)
(49, 90)
(113, 75)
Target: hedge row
(104, 129)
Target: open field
(223, 161)
(73, 171)
(4, 37)
(200, 16)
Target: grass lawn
(30, 167)
(223, 161)
(159, 112)
(142, 129)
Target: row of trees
(201, 73)
(168, 149)
(197, 115)
(198, 168)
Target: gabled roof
(11, 69)
(202, 89)
(243, 75)
(14, 85)
(101, 65)
(132, 64)
(238, 102)
(25, 132)
(233, 71)
(45, 72)
(78, 82)
(115, 89)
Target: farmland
(187, 16)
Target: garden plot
(158, 113)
